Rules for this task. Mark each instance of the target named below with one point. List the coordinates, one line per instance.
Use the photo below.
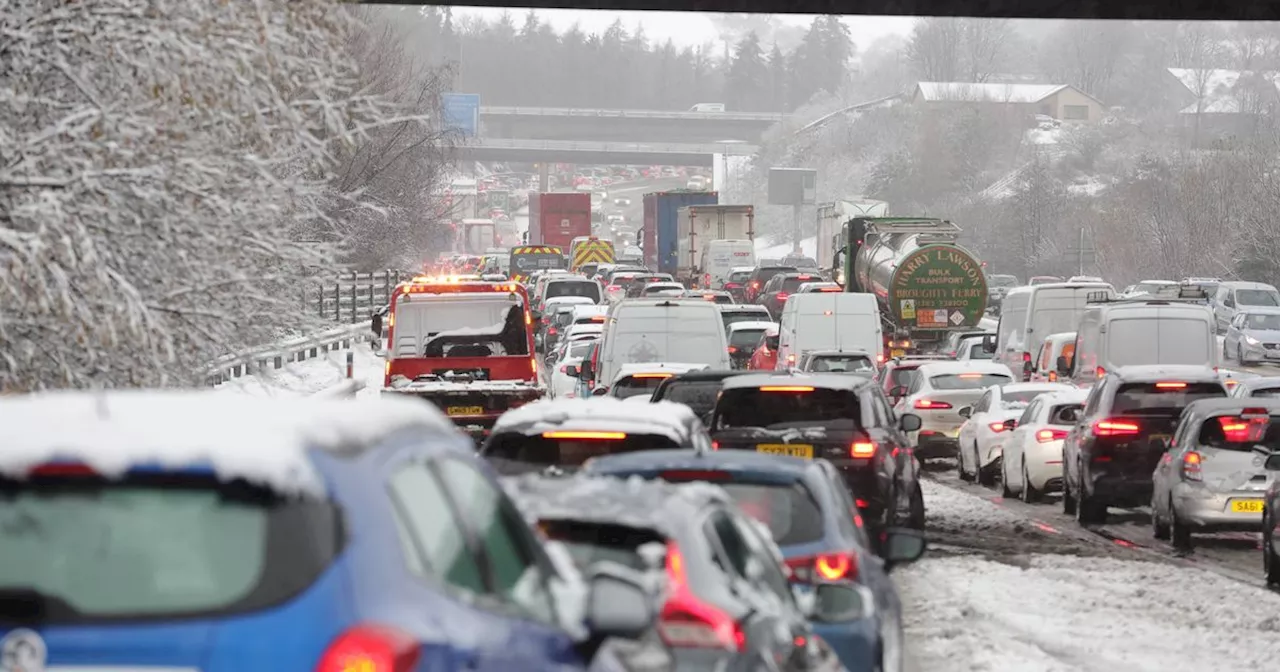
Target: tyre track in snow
(1127, 535)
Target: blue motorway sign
(462, 112)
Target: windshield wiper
(29, 605)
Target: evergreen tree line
(525, 62)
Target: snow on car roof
(633, 501)
(262, 440)
(599, 414)
(934, 368)
(1033, 386)
(565, 301)
(751, 324)
(742, 308)
(589, 311)
(1071, 395)
(584, 328)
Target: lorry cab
(829, 321)
(465, 345)
(1141, 331)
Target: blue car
(813, 519)
(213, 532)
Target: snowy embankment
(996, 611)
(766, 249)
(312, 375)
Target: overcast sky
(689, 28)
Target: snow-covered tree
(157, 160)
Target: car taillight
(823, 567)
(732, 349)
(1115, 428)
(552, 331)
(1026, 358)
(1049, 435)
(733, 285)
(370, 648)
(687, 621)
(1191, 466)
(782, 296)
(996, 427)
(862, 449)
(931, 405)
(755, 285)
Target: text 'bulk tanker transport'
(660, 231)
(925, 283)
(558, 218)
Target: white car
(642, 379)
(661, 289)
(562, 385)
(987, 427)
(1032, 463)
(937, 393)
(972, 347)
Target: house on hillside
(1060, 101)
(1224, 102)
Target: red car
(765, 358)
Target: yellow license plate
(465, 410)
(788, 449)
(897, 353)
(1246, 506)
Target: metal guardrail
(631, 114)
(351, 297)
(293, 350)
(728, 148)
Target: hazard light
(589, 436)
(786, 388)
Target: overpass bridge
(651, 126)
(610, 153)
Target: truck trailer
(556, 218)
(926, 284)
(659, 232)
(697, 226)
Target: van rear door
(1161, 335)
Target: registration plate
(897, 352)
(465, 410)
(1246, 506)
(788, 449)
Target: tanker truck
(925, 283)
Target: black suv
(780, 287)
(763, 274)
(845, 419)
(1109, 455)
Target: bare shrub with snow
(158, 161)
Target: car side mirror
(1064, 366)
(572, 371)
(599, 391)
(909, 422)
(1010, 424)
(617, 602)
(902, 546)
(1272, 462)
(841, 603)
(965, 411)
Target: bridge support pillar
(544, 177)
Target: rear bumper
(1123, 490)
(1208, 511)
(932, 444)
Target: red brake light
(754, 285)
(1171, 386)
(1049, 435)
(825, 566)
(687, 621)
(996, 427)
(1115, 428)
(552, 331)
(782, 296)
(63, 469)
(930, 404)
(1026, 357)
(732, 349)
(828, 289)
(1191, 466)
(862, 449)
(370, 648)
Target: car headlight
(1251, 340)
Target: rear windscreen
(699, 395)
(1163, 399)
(903, 376)
(796, 406)
(632, 386)
(85, 549)
(524, 264)
(586, 288)
(731, 316)
(745, 338)
(1268, 392)
(790, 285)
(976, 351)
(1159, 340)
(967, 381)
(766, 274)
(514, 453)
(789, 510)
(739, 276)
(843, 364)
(1064, 414)
(590, 542)
(1240, 433)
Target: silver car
(1211, 477)
(1253, 335)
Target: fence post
(351, 363)
(386, 286)
(337, 301)
(354, 317)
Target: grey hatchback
(1212, 476)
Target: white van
(1013, 320)
(719, 257)
(829, 321)
(648, 331)
(1130, 332)
(707, 107)
(1051, 308)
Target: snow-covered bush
(158, 159)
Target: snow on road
(311, 376)
(1002, 606)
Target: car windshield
(1162, 398)
(1262, 322)
(842, 364)
(783, 405)
(967, 381)
(590, 542)
(1257, 297)
(161, 546)
(699, 395)
(789, 510)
